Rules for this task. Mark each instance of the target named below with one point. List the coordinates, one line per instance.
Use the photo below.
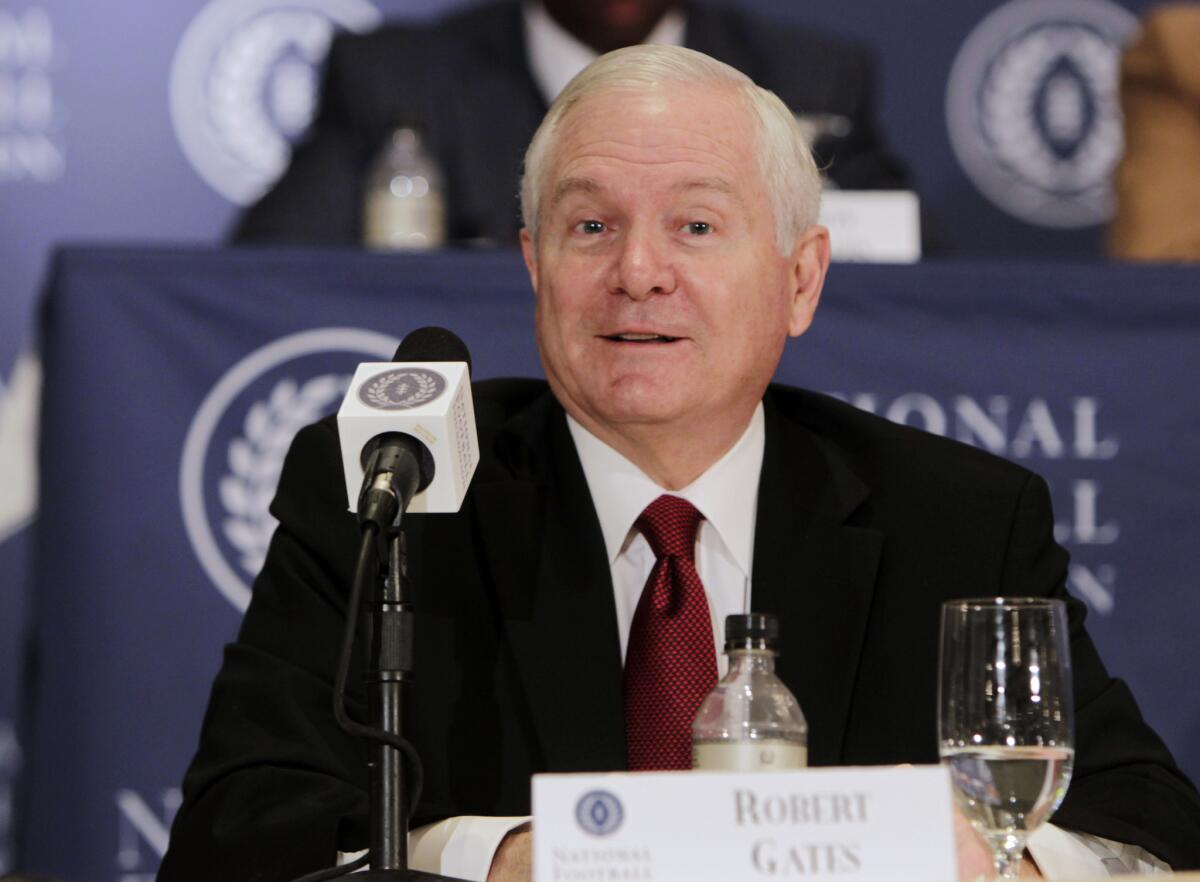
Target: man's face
(662, 297)
(608, 24)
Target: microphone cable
(363, 571)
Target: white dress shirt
(726, 495)
(555, 55)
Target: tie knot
(669, 525)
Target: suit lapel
(816, 572)
(546, 555)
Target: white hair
(789, 171)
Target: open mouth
(640, 338)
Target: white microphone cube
(431, 401)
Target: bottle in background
(750, 721)
(405, 203)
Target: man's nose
(643, 267)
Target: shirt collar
(555, 55)
(726, 494)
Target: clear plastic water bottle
(750, 721)
(405, 203)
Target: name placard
(853, 824)
(872, 226)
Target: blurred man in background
(476, 84)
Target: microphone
(408, 443)
(407, 430)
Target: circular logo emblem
(402, 389)
(599, 812)
(1032, 112)
(235, 445)
(243, 85)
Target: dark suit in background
(863, 529)
(465, 83)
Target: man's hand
(514, 858)
(974, 856)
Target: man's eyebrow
(719, 185)
(568, 186)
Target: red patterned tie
(671, 663)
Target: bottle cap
(752, 631)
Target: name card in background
(873, 226)
(853, 824)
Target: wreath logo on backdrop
(235, 446)
(255, 459)
(244, 85)
(1032, 111)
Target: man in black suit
(476, 85)
(670, 237)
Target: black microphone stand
(389, 667)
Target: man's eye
(590, 226)
(698, 228)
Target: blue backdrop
(176, 378)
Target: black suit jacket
(863, 529)
(465, 83)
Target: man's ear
(530, 258)
(810, 262)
